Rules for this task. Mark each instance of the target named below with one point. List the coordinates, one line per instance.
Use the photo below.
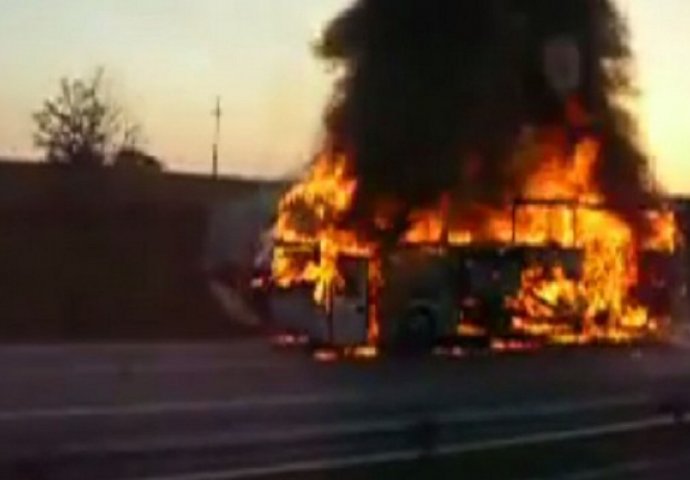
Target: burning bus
(480, 176)
(524, 288)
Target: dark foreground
(193, 412)
(659, 454)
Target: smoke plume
(435, 96)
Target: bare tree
(79, 125)
(130, 154)
(132, 136)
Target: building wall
(108, 255)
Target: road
(246, 410)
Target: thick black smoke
(435, 94)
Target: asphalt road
(245, 410)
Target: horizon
(273, 104)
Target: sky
(167, 60)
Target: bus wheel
(418, 331)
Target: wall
(107, 255)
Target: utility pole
(217, 114)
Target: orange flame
(569, 214)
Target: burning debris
(500, 124)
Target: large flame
(565, 209)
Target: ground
(247, 410)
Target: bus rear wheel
(417, 332)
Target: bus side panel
(294, 310)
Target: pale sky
(168, 59)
